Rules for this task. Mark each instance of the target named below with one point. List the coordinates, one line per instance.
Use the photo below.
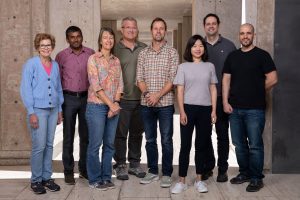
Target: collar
(218, 41)
(100, 55)
(161, 46)
(70, 51)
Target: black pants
(130, 121)
(222, 126)
(199, 117)
(72, 107)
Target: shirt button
(48, 79)
(50, 103)
(49, 87)
(49, 95)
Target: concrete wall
(229, 12)
(20, 21)
(16, 35)
(286, 104)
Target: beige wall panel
(16, 44)
(179, 41)
(200, 8)
(186, 32)
(230, 14)
(265, 40)
(84, 14)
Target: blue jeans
(101, 130)
(42, 143)
(164, 115)
(247, 126)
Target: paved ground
(14, 182)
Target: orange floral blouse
(104, 75)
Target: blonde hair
(43, 36)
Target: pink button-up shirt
(73, 69)
(104, 75)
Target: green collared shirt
(128, 59)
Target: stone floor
(14, 182)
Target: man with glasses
(130, 127)
(73, 70)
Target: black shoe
(83, 175)
(222, 177)
(69, 179)
(239, 179)
(206, 175)
(38, 188)
(255, 185)
(50, 185)
(109, 184)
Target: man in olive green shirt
(130, 120)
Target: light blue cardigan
(38, 89)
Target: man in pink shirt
(73, 70)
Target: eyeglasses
(130, 28)
(45, 46)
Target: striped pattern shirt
(156, 68)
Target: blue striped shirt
(38, 89)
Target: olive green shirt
(128, 59)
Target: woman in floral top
(102, 113)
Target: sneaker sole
(52, 190)
(44, 192)
(123, 178)
(165, 185)
(140, 175)
(240, 182)
(150, 181)
(173, 192)
(101, 189)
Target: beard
(247, 43)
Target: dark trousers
(164, 115)
(130, 122)
(72, 107)
(222, 126)
(199, 117)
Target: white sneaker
(201, 186)
(179, 187)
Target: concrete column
(175, 39)
(229, 12)
(186, 31)
(261, 15)
(84, 14)
(179, 41)
(20, 21)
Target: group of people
(126, 88)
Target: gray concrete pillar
(175, 39)
(84, 14)
(20, 21)
(179, 41)
(186, 31)
(261, 15)
(229, 12)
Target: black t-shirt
(247, 85)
